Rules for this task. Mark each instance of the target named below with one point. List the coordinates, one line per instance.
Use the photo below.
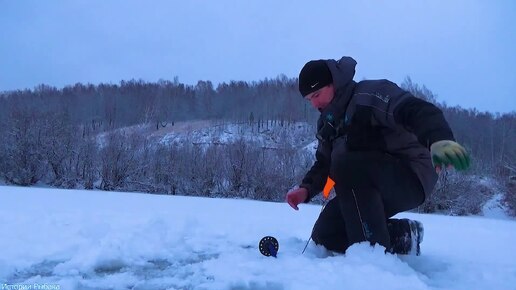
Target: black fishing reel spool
(269, 246)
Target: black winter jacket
(376, 115)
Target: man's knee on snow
(333, 242)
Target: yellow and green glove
(446, 152)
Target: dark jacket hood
(342, 71)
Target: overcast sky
(464, 51)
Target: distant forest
(49, 135)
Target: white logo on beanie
(313, 86)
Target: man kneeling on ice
(382, 146)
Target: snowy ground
(204, 132)
(70, 239)
(494, 207)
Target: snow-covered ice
(72, 239)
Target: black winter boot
(406, 236)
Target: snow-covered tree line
(51, 135)
(491, 140)
(70, 158)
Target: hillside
(271, 134)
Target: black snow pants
(370, 188)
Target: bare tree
(22, 157)
(418, 91)
(118, 160)
(59, 146)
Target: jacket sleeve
(315, 178)
(396, 107)
(423, 119)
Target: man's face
(321, 98)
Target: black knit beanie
(314, 75)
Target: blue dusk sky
(462, 50)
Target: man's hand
(449, 153)
(296, 197)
